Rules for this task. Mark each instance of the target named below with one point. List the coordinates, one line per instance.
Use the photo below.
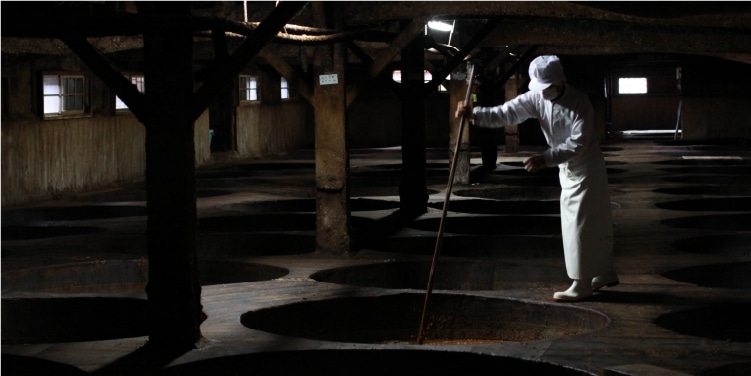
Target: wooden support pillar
(512, 131)
(413, 191)
(222, 109)
(222, 120)
(174, 291)
(332, 154)
(487, 94)
(458, 92)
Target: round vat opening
(493, 225)
(125, 276)
(454, 275)
(501, 207)
(72, 319)
(367, 362)
(502, 193)
(709, 190)
(735, 369)
(307, 205)
(731, 276)
(550, 171)
(222, 272)
(71, 213)
(711, 144)
(269, 222)
(723, 180)
(450, 320)
(241, 244)
(709, 204)
(722, 170)
(24, 365)
(723, 322)
(703, 162)
(364, 230)
(731, 245)
(727, 222)
(362, 189)
(394, 170)
(521, 164)
(364, 204)
(41, 232)
(488, 246)
(125, 195)
(520, 178)
(257, 170)
(386, 179)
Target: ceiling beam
(103, 69)
(407, 35)
(281, 66)
(460, 56)
(618, 38)
(223, 74)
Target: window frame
(396, 76)
(631, 77)
(291, 92)
(63, 97)
(141, 88)
(244, 90)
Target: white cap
(545, 71)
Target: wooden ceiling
(719, 29)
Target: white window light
(632, 85)
(285, 88)
(440, 26)
(135, 80)
(63, 95)
(427, 77)
(248, 88)
(287, 92)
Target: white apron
(586, 217)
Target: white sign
(328, 79)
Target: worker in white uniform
(567, 120)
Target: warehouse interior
(282, 187)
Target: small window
(248, 88)
(287, 92)
(632, 85)
(427, 77)
(135, 80)
(64, 95)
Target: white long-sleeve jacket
(567, 123)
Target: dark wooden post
(413, 192)
(487, 96)
(512, 131)
(332, 154)
(174, 291)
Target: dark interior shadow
(609, 295)
(480, 173)
(376, 237)
(147, 360)
(25, 365)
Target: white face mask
(550, 93)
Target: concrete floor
(73, 271)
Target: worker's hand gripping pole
(452, 170)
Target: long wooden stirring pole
(452, 170)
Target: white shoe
(577, 292)
(606, 280)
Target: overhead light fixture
(440, 26)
